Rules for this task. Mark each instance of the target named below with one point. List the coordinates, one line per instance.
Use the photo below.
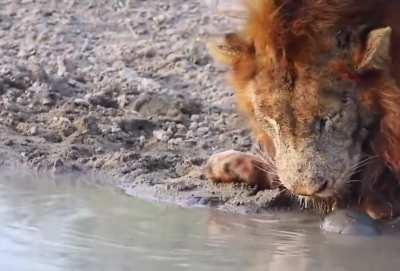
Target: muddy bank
(121, 87)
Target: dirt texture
(126, 88)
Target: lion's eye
(345, 99)
(327, 123)
(343, 39)
(320, 124)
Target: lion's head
(315, 80)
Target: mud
(124, 88)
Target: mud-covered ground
(125, 88)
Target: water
(74, 224)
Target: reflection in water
(76, 224)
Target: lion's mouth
(322, 189)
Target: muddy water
(77, 224)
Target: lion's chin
(324, 202)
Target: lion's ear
(377, 52)
(228, 49)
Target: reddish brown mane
(287, 24)
(280, 34)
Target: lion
(318, 82)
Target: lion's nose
(310, 188)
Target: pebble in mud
(172, 106)
(135, 125)
(350, 222)
(102, 99)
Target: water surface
(69, 223)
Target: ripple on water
(50, 225)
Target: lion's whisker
(364, 162)
(265, 170)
